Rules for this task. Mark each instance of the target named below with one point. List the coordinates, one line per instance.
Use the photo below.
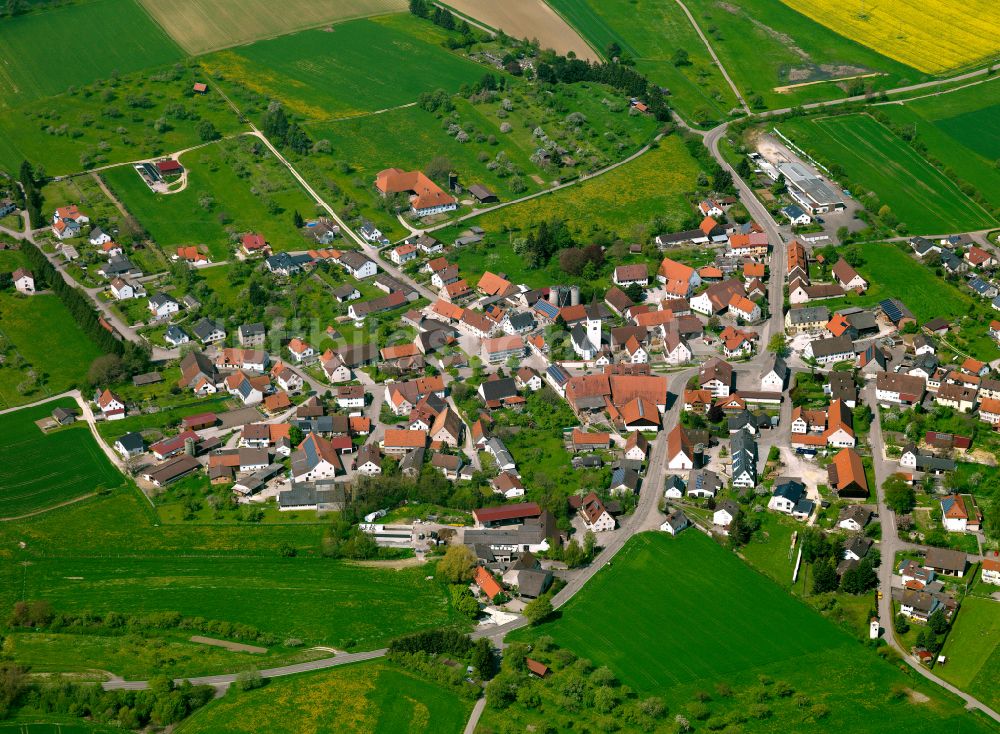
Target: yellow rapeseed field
(933, 36)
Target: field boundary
(913, 156)
(270, 36)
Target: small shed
(482, 194)
(63, 416)
(200, 88)
(536, 668)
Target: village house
(208, 331)
(626, 275)
(894, 388)
(960, 514)
(806, 319)
(67, 221)
(24, 281)
(846, 475)
(315, 459)
(163, 306)
(991, 571)
(111, 406)
(678, 280)
(595, 515)
(717, 377)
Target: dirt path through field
(527, 19)
(233, 646)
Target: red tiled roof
(488, 584)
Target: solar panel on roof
(547, 308)
(891, 309)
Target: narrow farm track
(715, 57)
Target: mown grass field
(135, 656)
(70, 726)
(360, 66)
(764, 44)
(931, 35)
(42, 54)
(673, 617)
(316, 600)
(40, 470)
(113, 120)
(206, 25)
(873, 157)
(698, 90)
(893, 273)
(368, 697)
(962, 130)
(973, 650)
(113, 554)
(233, 187)
(41, 336)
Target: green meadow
(681, 617)
(697, 90)
(136, 655)
(39, 337)
(362, 698)
(42, 54)
(973, 650)
(764, 44)
(962, 130)
(235, 186)
(113, 554)
(653, 185)
(352, 68)
(873, 157)
(133, 117)
(39, 470)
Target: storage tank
(574, 295)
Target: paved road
(226, 679)
(889, 545)
(477, 711)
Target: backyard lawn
(873, 157)
(39, 470)
(46, 353)
(894, 273)
(973, 650)
(368, 697)
(673, 617)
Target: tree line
(75, 300)
(39, 615)
(162, 704)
